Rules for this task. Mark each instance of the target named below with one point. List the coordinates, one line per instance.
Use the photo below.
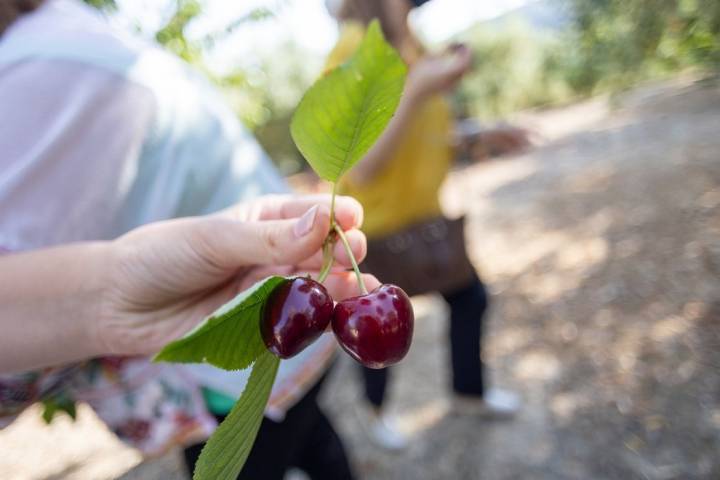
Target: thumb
(233, 244)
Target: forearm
(49, 302)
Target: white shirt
(101, 133)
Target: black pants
(305, 439)
(467, 308)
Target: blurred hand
(165, 277)
(439, 73)
(499, 141)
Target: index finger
(348, 211)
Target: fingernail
(306, 222)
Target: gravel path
(602, 249)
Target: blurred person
(397, 183)
(107, 134)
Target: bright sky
(305, 22)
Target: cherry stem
(332, 206)
(346, 244)
(328, 258)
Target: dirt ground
(602, 250)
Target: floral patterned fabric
(149, 406)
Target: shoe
(382, 430)
(495, 403)
(385, 433)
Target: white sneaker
(495, 403)
(382, 430)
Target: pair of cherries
(375, 329)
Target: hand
(165, 277)
(499, 141)
(434, 74)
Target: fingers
(461, 58)
(458, 66)
(247, 279)
(340, 285)
(343, 285)
(233, 244)
(348, 211)
(279, 230)
(358, 245)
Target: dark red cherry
(375, 329)
(296, 313)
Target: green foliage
(345, 111)
(230, 337)
(225, 453)
(511, 71)
(107, 5)
(255, 15)
(620, 42)
(172, 35)
(606, 46)
(59, 403)
(265, 96)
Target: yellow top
(405, 190)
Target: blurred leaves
(513, 69)
(621, 42)
(106, 5)
(264, 95)
(172, 34)
(254, 15)
(605, 46)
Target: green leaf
(230, 337)
(58, 404)
(225, 453)
(344, 112)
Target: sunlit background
(528, 54)
(265, 53)
(305, 23)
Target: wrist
(413, 96)
(96, 292)
(50, 305)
